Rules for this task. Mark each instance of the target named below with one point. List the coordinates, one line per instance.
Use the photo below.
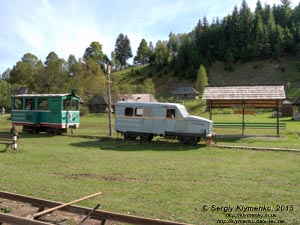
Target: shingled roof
(244, 93)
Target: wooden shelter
(245, 98)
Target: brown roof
(136, 97)
(185, 91)
(244, 93)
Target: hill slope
(264, 72)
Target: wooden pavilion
(245, 98)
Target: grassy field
(162, 179)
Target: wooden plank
(64, 205)
(16, 220)
(98, 214)
(258, 148)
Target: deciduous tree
(143, 52)
(94, 52)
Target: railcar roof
(43, 95)
(134, 103)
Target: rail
(104, 216)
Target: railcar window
(18, 103)
(43, 104)
(148, 112)
(66, 104)
(75, 105)
(29, 104)
(139, 112)
(128, 111)
(170, 113)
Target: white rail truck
(146, 120)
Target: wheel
(182, 140)
(129, 137)
(146, 137)
(149, 137)
(193, 140)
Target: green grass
(162, 179)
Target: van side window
(128, 111)
(139, 112)
(170, 113)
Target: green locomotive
(52, 113)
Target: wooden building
(98, 104)
(184, 93)
(136, 97)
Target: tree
(88, 79)
(25, 72)
(149, 86)
(72, 62)
(4, 94)
(94, 52)
(115, 62)
(246, 32)
(260, 36)
(202, 80)
(122, 49)
(6, 74)
(285, 13)
(151, 53)
(54, 77)
(143, 52)
(161, 54)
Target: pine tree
(123, 49)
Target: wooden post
(243, 125)
(277, 102)
(108, 82)
(210, 110)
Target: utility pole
(108, 82)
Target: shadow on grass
(238, 138)
(3, 150)
(121, 145)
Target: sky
(69, 26)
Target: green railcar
(52, 113)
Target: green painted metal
(43, 111)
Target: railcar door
(148, 119)
(171, 120)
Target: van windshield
(183, 111)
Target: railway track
(31, 211)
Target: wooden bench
(9, 140)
